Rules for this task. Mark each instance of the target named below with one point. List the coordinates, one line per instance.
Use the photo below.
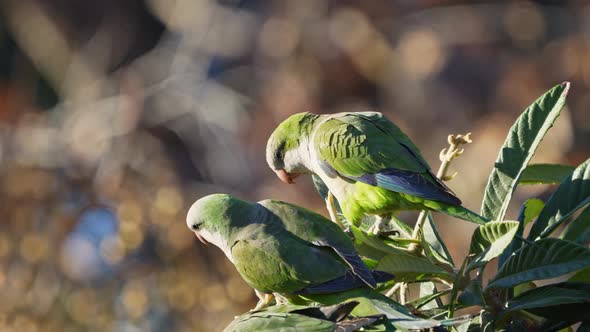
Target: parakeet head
(284, 152)
(212, 218)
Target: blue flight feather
(348, 281)
(411, 183)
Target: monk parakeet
(366, 162)
(281, 248)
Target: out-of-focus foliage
(116, 115)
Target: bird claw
(449, 177)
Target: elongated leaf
(581, 276)
(524, 287)
(579, 229)
(520, 146)
(406, 267)
(543, 259)
(529, 211)
(489, 240)
(370, 245)
(545, 173)
(433, 245)
(272, 321)
(572, 194)
(374, 303)
(557, 302)
(425, 301)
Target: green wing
(368, 148)
(317, 230)
(282, 263)
(355, 144)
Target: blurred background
(116, 115)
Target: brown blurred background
(116, 115)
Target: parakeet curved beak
(286, 177)
(201, 238)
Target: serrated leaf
(489, 240)
(528, 212)
(545, 173)
(557, 302)
(543, 259)
(521, 143)
(572, 194)
(433, 245)
(579, 229)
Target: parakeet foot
(378, 225)
(264, 300)
(280, 299)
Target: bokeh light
(116, 115)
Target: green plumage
(277, 247)
(355, 144)
(365, 160)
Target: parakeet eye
(279, 154)
(194, 227)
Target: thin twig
(445, 156)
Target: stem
(455, 290)
(445, 156)
(402, 293)
(393, 289)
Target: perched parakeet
(366, 161)
(281, 248)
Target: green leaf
(275, 321)
(543, 259)
(572, 194)
(581, 276)
(288, 317)
(408, 268)
(524, 287)
(424, 302)
(374, 303)
(489, 240)
(545, 174)
(532, 208)
(404, 266)
(579, 229)
(521, 143)
(472, 294)
(433, 245)
(557, 302)
(529, 211)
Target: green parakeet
(366, 161)
(281, 248)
